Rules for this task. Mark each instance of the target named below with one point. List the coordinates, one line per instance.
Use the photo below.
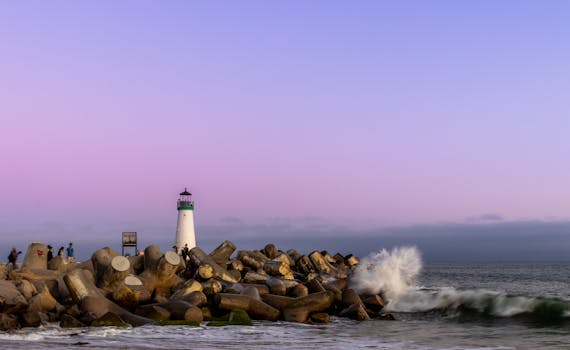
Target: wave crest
(482, 303)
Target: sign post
(129, 239)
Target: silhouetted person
(50, 253)
(13, 256)
(70, 253)
(184, 252)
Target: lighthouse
(185, 233)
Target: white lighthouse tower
(185, 233)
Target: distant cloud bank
(485, 238)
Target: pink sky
(365, 115)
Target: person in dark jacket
(185, 252)
(13, 257)
(50, 253)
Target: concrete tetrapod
(57, 264)
(260, 257)
(91, 301)
(130, 293)
(36, 257)
(182, 310)
(237, 288)
(196, 298)
(159, 276)
(12, 299)
(276, 285)
(285, 258)
(222, 253)
(300, 310)
(197, 257)
(153, 311)
(277, 301)
(115, 273)
(355, 311)
(374, 302)
(100, 260)
(256, 309)
(235, 264)
(270, 250)
(294, 255)
(251, 262)
(276, 268)
(212, 287)
(137, 264)
(355, 308)
(187, 288)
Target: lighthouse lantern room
(185, 234)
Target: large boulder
(43, 301)
(8, 322)
(159, 277)
(58, 263)
(137, 264)
(36, 257)
(3, 271)
(26, 287)
(34, 319)
(109, 319)
(154, 312)
(91, 300)
(223, 252)
(13, 300)
(110, 268)
(187, 288)
(130, 293)
(68, 321)
(270, 251)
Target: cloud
(231, 220)
(495, 240)
(277, 226)
(490, 217)
(476, 241)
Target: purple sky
(363, 114)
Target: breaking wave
(390, 273)
(394, 274)
(480, 302)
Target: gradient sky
(353, 114)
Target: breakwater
(226, 286)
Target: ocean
(445, 306)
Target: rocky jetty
(223, 287)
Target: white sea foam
(27, 336)
(392, 273)
(483, 301)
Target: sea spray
(390, 273)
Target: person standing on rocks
(60, 251)
(185, 252)
(13, 256)
(50, 253)
(70, 253)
